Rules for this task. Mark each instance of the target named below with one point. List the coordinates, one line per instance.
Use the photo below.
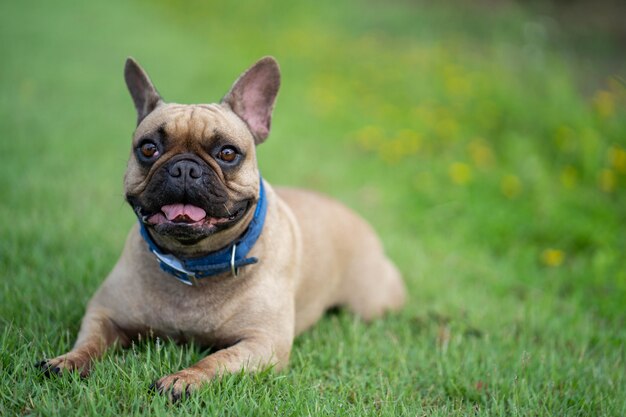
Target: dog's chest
(188, 313)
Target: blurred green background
(485, 141)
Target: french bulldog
(218, 255)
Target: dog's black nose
(185, 168)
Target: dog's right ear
(253, 95)
(141, 89)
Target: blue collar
(228, 259)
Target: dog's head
(192, 176)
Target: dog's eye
(227, 154)
(149, 150)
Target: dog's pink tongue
(172, 211)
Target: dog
(219, 256)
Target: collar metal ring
(233, 270)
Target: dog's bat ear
(253, 95)
(141, 89)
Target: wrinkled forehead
(194, 123)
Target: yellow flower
(481, 153)
(324, 99)
(392, 152)
(552, 257)
(607, 180)
(369, 137)
(604, 104)
(323, 95)
(511, 186)
(565, 138)
(446, 127)
(569, 177)
(617, 158)
(425, 114)
(411, 141)
(460, 173)
(455, 81)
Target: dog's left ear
(253, 95)
(145, 96)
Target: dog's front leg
(252, 354)
(97, 333)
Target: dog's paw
(179, 385)
(62, 364)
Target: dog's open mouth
(188, 223)
(188, 214)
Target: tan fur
(314, 253)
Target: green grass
(460, 133)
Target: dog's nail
(49, 370)
(158, 386)
(44, 368)
(172, 392)
(177, 395)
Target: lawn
(491, 162)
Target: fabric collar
(228, 259)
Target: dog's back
(343, 262)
